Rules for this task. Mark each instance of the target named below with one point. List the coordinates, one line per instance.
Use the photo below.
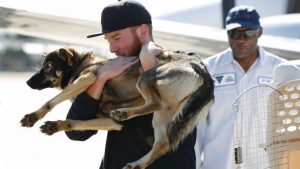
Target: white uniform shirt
(215, 134)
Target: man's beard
(136, 47)
(243, 55)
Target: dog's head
(56, 69)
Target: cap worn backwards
(242, 16)
(121, 15)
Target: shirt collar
(226, 58)
(263, 61)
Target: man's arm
(86, 104)
(84, 107)
(148, 53)
(199, 146)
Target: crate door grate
(259, 137)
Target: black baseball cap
(121, 15)
(242, 16)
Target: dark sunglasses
(248, 34)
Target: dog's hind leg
(161, 143)
(147, 88)
(80, 85)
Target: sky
(199, 12)
(91, 9)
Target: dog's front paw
(51, 127)
(29, 120)
(119, 114)
(132, 166)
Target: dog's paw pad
(128, 166)
(49, 128)
(131, 166)
(29, 120)
(119, 115)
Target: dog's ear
(90, 53)
(66, 55)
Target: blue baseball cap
(242, 16)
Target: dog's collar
(71, 81)
(78, 72)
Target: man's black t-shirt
(129, 144)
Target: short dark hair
(150, 28)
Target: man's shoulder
(273, 59)
(272, 56)
(212, 60)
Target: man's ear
(260, 31)
(66, 55)
(143, 33)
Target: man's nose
(113, 48)
(241, 39)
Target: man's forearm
(85, 108)
(96, 88)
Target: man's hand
(115, 67)
(109, 71)
(148, 53)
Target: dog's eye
(49, 65)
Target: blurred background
(205, 19)
(33, 27)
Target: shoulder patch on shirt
(224, 79)
(264, 80)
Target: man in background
(243, 65)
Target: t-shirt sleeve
(84, 107)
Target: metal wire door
(259, 140)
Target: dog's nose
(28, 82)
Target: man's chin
(118, 54)
(136, 54)
(241, 56)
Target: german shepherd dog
(179, 91)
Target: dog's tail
(193, 109)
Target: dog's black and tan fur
(179, 91)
